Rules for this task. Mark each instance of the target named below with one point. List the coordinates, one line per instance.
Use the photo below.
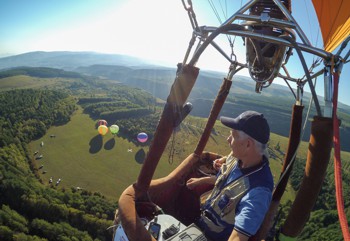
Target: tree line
(27, 114)
(133, 110)
(42, 72)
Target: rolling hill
(276, 101)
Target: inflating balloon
(102, 122)
(102, 129)
(114, 129)
(142, 137)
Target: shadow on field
(95, 144)
(140, 156)
(109, 144)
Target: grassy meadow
(82, 158)
(27, 82)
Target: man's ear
(250, 142)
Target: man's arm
(237, 236)
(193, 182)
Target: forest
(29, 210)
(132, 109)
(323, 223)
(32, 211)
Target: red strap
(337, 164)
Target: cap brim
(233, 123)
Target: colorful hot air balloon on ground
(102, 130)
(142, 137)
(102, 122)
(114, 129)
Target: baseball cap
(250, 122)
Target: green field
(82, 158)
(27, 82)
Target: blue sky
(154, 29)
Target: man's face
(237, 144)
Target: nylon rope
(315, 58)
(215, 11)
(212, 5)
(337, 164)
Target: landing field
(80, 157)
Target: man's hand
(236, 236)
(193, 182)
(218, 163)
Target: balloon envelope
(114, 129)
(142, 137)
(102, 129)
(102, 122)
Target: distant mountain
(67, 60)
